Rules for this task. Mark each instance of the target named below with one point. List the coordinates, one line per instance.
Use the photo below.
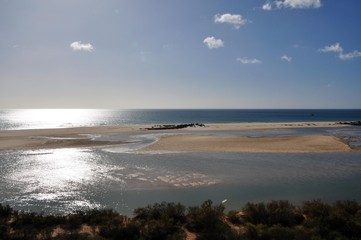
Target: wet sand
(80, 137)
(31, 139)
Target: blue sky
(180, 54)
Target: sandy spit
(277, 144)
(79, 137)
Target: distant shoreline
(31, 139)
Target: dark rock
(177, 126)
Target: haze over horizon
(180, 54)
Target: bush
(161, 221)
(340, 221)
(206, 216)
(3, 231)
(283, 213)
(255, 213)
(273, 220)
(233, 217)
(255, 232)
(28, 225)
(275, 232)
(280, 232)
(131, 231)
(5, 212)
(274, 213)
(171, 211)
(209, 221)
(161, 229)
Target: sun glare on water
(54, 118)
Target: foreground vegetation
(273, 220)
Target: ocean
(58, 118)
(60, 181)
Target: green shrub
(5, 211)
(234, 218)
(130, 231)
(340, 221)
(283, 213)
(171, 211)
(161, 229)
(161, 221)
(255, 231)
(206, 216)
(256, 213)
(208, 220)
(276, 232)
(274, 213)
(280, 232)
(3, 231)
(263, 221)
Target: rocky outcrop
(174, 126)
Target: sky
(180, 54)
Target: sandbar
(274, 144)
(32, 139)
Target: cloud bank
(236, 20)
(78, 46)
(212, 42)
(294, 4)
(336, 48)
(245, 60)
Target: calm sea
(63, 180)
(54, 118)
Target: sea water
(56, 118)
(60, 181)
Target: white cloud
(349, 56)
(78, 46)
(286, 58)
(338, 49)
(212, 42)
(236, 20)
(269, 5)
(302, 3)
(332, 48)
(245, 60)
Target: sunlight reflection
(64, 166)
(53, 118)
(46, 175)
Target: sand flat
(79, 137)
(276, 144)
(30, 139)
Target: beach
(187, 140)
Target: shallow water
(64, 180)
